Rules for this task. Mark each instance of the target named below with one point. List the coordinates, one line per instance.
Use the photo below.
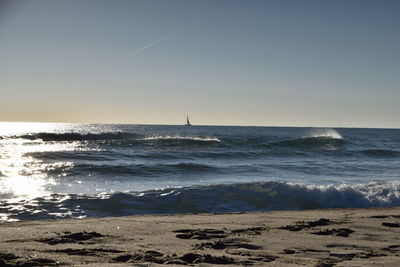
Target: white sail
(187, 121)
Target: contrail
(137, 51)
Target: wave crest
(326, 133)
(216, 198)
(181, 138)
(322, 139)
(114, 136)
(80, 136)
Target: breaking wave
(327, 139)
(326, 133)
(118, 136)
(214, 198)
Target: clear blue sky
(295, 63)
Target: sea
(53, 171)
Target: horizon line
(206, 125)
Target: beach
(329, 237)
(200, 133)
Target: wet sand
(336, 237)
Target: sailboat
(187, 121)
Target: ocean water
(82, 170)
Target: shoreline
(327, 237)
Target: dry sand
(337, 237)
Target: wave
(327, 139)
(166, 140)
(100, 155)
(93, 155)
(327, 133)
(143, 170)
(182, 138)
(266, 196)
(80, 136)
(180, 141)
(322, 139)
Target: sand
(336, 237)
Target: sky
(266, 63)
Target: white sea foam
(185, 138)
(274, 195)
(329, 133)
(372, 194)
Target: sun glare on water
(21, 175)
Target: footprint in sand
(200, 234)
(305, 225)
(392, 225)
(343, 232)
(71, 238)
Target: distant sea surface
(82, 170)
